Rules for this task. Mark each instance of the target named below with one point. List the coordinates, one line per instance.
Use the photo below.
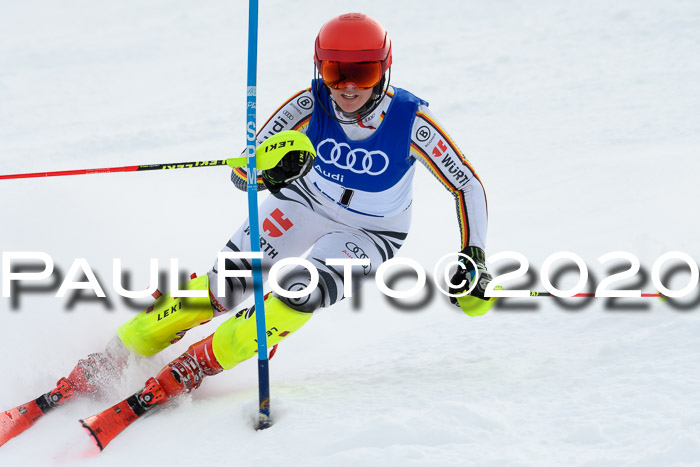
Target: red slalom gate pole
(592, 295)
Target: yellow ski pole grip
(274, 148)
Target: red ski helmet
(353, 38)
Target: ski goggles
(364, 75)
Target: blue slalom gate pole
(264, 420)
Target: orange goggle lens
(364, 75)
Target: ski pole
(267, 160)
(264, 420)
(269, 153)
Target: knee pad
(325, 294)
(236, 340)
(167, 320)
(306, 304)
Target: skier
(353, 200)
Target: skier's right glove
(294, 164)
(474, 303)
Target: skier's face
(351, 98)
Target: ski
(15, 421)
(106, 425)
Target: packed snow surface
(581, 119)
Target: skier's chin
(350, 107)
(350, 100)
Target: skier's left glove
(474, 303)
(294, 164)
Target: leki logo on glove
(273, 230)
(359, 161)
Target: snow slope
(580, 117)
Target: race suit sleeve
(431, 145)
(294, 114)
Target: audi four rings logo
(359, 161)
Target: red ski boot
(187, 371)
(97, 371)
(100, 370)
(183, 374)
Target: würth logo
(277, 228)
(440, 149)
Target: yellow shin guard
(235, 340)
(166, 321)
